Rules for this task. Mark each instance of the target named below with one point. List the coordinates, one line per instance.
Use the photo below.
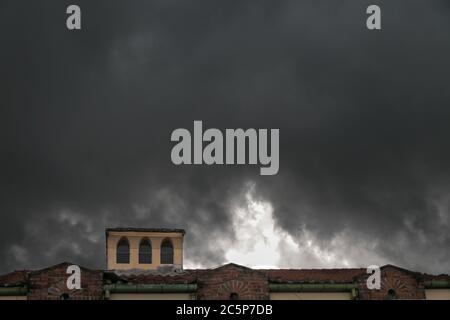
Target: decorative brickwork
(396, 283)
(50, 284)
(232, 282)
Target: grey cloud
(86, 119)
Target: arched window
(64, 296)
(123, 251)
(166, 252)
(392, 295)
(234, 296)
(145, 251)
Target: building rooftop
(14, 278)
(219, 282)
(165, 230)
(310, 276)
(313, 275)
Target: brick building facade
(230, 281)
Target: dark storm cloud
(86, 119)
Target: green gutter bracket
(355, 294)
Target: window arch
(123, 251)
(166, 252)
(234, 296)
(392, 295)
(64, 296)
(145, 251)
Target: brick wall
(221, 283)
(402, 282)
(50, 284)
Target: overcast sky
(86, 118)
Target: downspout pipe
(13, 291)
(313, 287)
(148, 288)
